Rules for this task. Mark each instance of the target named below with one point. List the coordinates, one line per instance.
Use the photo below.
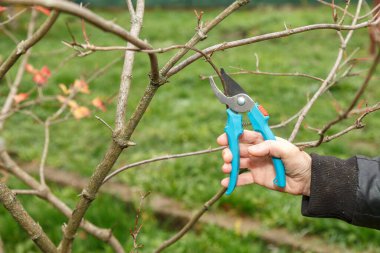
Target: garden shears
(238, 102)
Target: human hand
(256, 154)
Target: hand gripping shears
(238, 101)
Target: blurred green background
(185, 116)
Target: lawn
(185, 116)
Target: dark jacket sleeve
(344, 189)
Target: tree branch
(330, 76)
(160, 158)
(24, 45)
(92, 18)
(46, 194)
(269, 36)
(34, 230)
(20, 72)
(206, 206)
(202, 34)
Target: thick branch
(24, 45)
(46, 194)
(34, 230)
(268, 36)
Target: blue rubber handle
(233, 129)
(260, 124)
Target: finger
(244, 163)
(278, 148)
(249, 137)
(227, 154)
(243, 179)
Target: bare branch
(202, 34)
(160, 158)
(242, 71)
(329, 78)
(13, 17)
(24, 45)
(192, 221)
(126, 76)
(268, 36)
(20, 73)
(357, 125)
(34, 230)
(89, 16)
(46, 194)
(354, 101)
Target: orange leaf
(45, 71)
(64, 89)
(42, 10)
(71, 103)
(30, 69)
(80, 112)
(20, 97)
(98, 103)
(40, 79)
(81, 86)
(2, 8)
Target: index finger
(248, 137)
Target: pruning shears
(238, 102)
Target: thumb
(269, 148)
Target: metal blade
(218, 93)
(232, 87)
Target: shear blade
(232, 87)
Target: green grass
(185, 116)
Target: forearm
(344, 189)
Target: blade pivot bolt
(241, 101)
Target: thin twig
(206, 206)
(329, 78)
(24, 45)
(268, 36)
(160, 158)
(354, 101)
(357, 125)
(13, 17)
(20, 73)
(269, 74)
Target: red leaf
(45, 71)
(42, 10)
(2, 8)
(81, 86)
(39, 79)
(20, 97)
(98, 103)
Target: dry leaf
(81, 86)
(80, 112)
(98, 103)
(42, 10)
(20, 97)
(64, 89)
